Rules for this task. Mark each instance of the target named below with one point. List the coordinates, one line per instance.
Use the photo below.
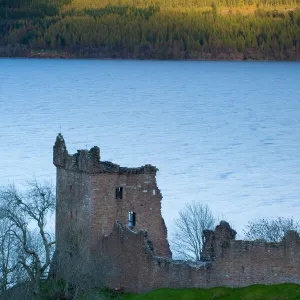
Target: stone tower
(92, 195)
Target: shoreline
(66, 56)
(250, 54)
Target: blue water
(222, 133)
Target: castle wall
(140, 194)
(238, 263)
(89, 246)
(135, 267)
(72, 211)
(87, 206)
(244, 263)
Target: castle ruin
(109, 228)
(92, 195)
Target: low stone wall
(132, 264)
(242, 263)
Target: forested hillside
(159, 29)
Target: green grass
(254, 292)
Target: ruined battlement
(237, 263)
(221, 242)
(217, 239)
(95, 204)
(93, 194)
(89, 161)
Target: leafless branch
(188, 239)
(270, 230)
(34, 246)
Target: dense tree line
(79, 4)
(30, 27)
(24, 9)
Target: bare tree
(72, 261)
(270, 230)
(27, 213)
(188, 239)
(8, 259)
(80, 268)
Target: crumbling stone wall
(234, 263)
(241, 263)
(135, 266)
(140, 194)
(91, 244)
(87, 204)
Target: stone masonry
(92, 195)
(93, 240)
(227, 262)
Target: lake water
(222, 133)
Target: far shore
(202, 56)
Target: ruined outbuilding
(109, 229)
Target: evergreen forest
(151, 29)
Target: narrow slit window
(131, 219)
(119, 192)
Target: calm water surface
(223, 133)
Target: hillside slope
(151, 29)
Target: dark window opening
(119, 192)
(131, 219)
